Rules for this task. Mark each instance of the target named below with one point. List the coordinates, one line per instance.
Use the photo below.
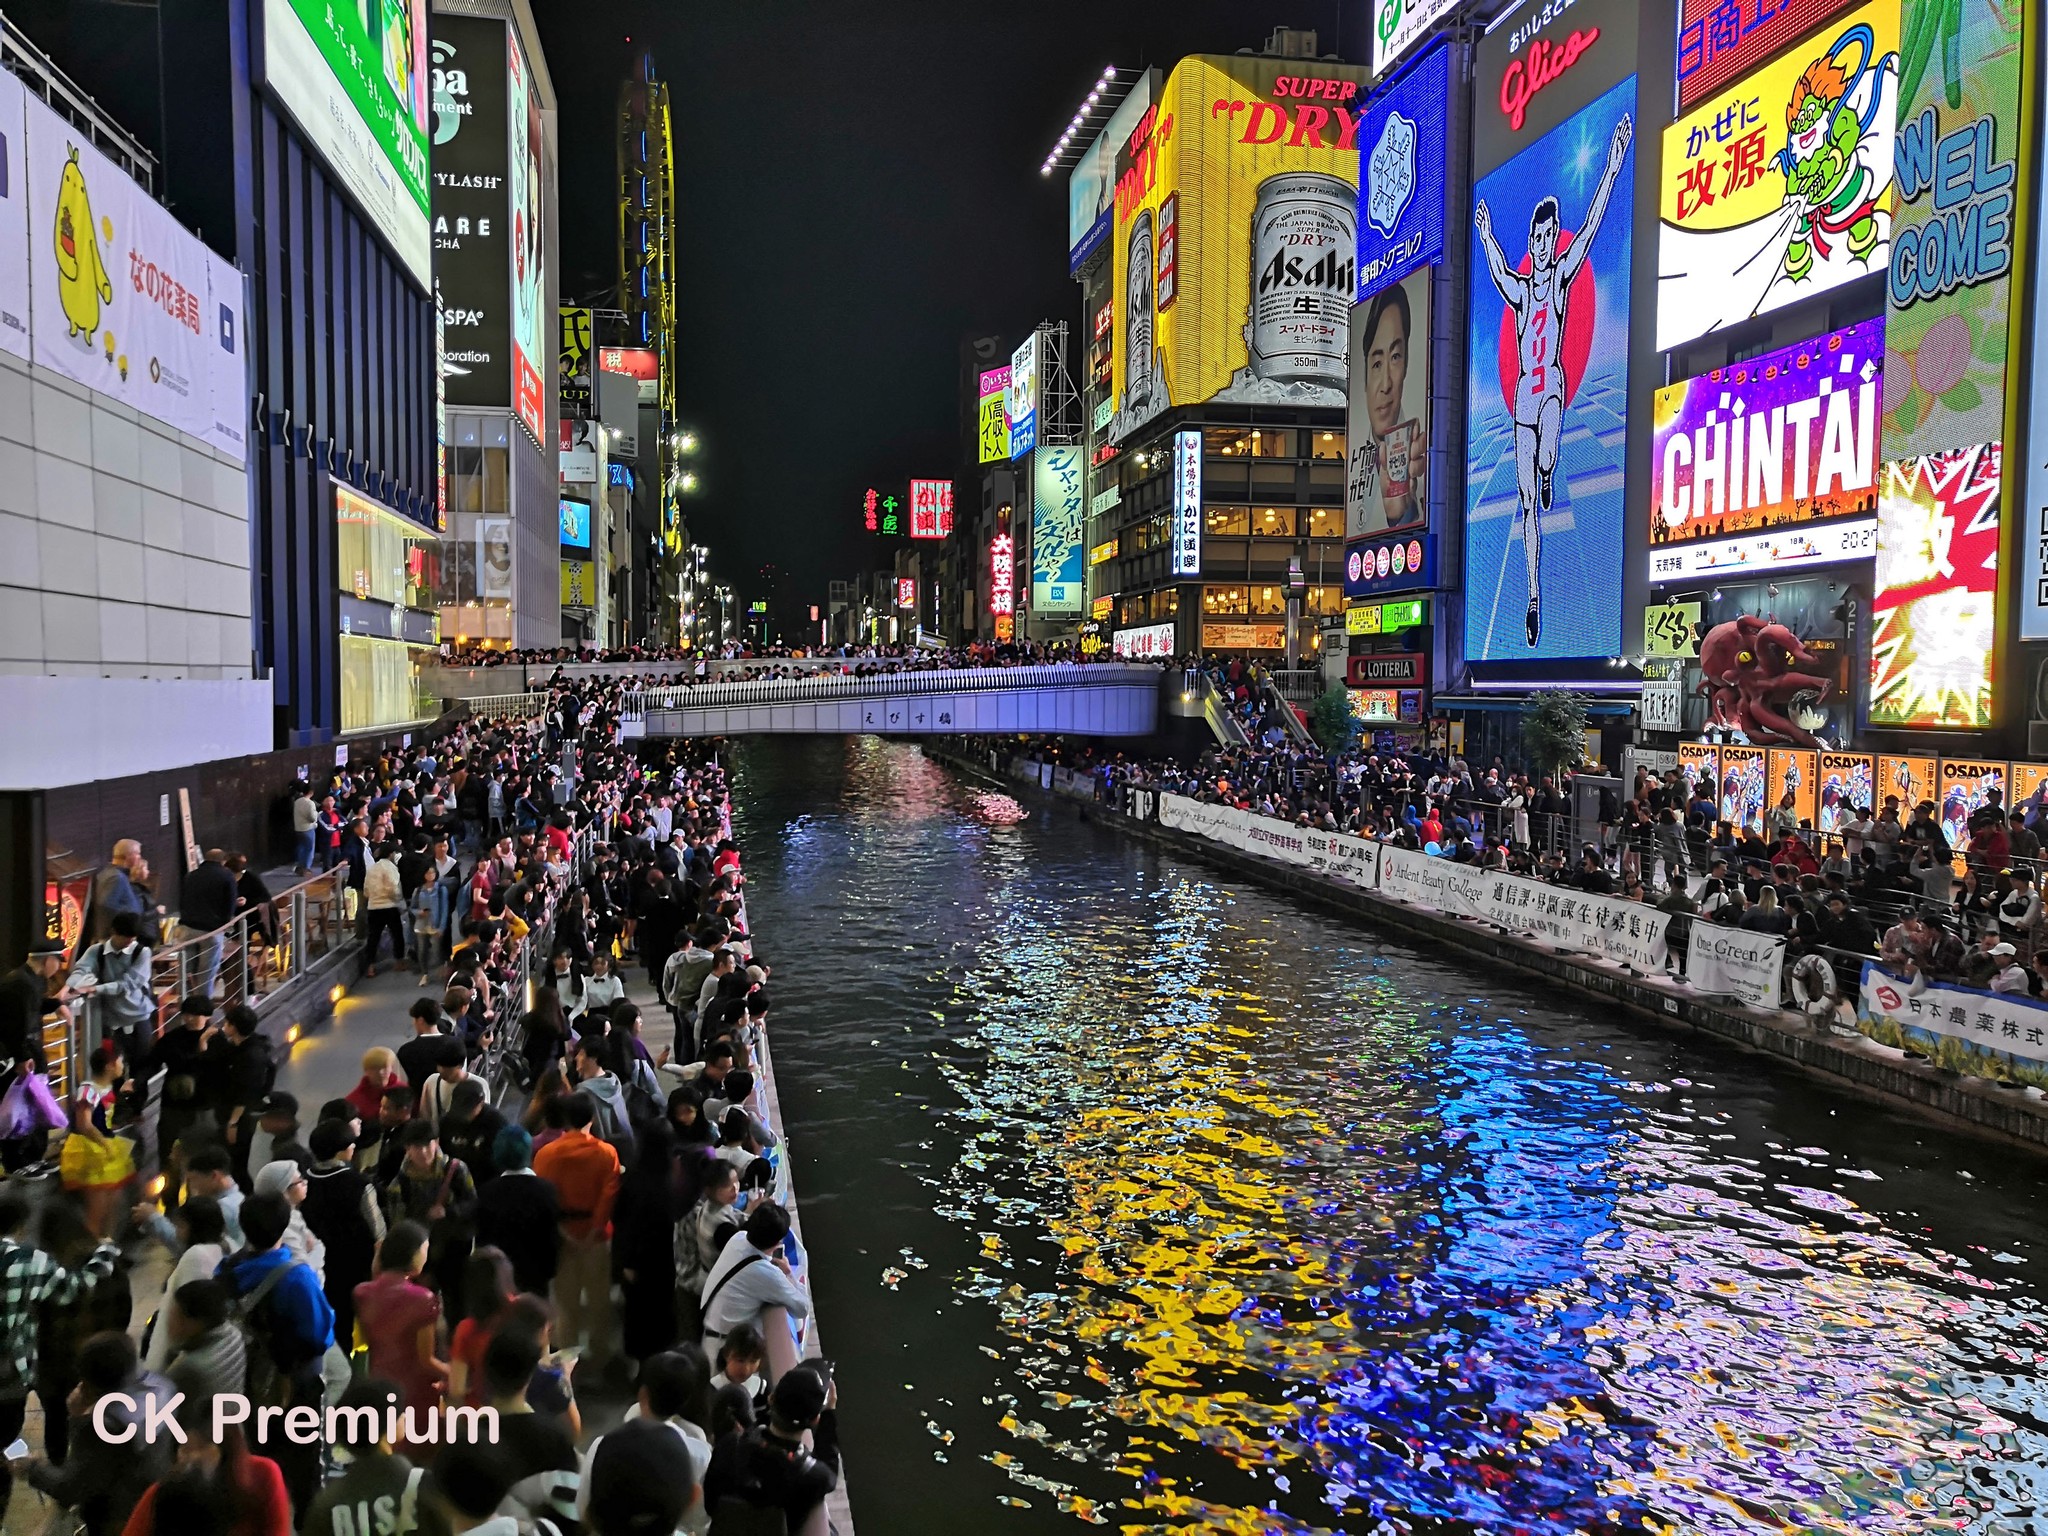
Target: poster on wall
(354, 78)
(472, 252)
(1789, 437)
(1793, 771)
(1846, 782)
(1967, 785)
(1548, 404)
(1700, 764)
(1235, 249)
(1778, 187)
(494, 558)
(1058, 563)
(122, 297)
(1935, 604)
(1402, 155)
(1911, 780)
(1742, 786)
(573, 362)
(526, 201)
(1386, 485)
(1947, 312)
(13, 219)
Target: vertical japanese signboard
(1187, 504)
(931, 509)
(992, 416)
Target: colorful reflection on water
(1143, 1200)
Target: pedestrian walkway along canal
(1147, 1200)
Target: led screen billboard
(1788, 437)
(1947, 314)
(1548, 391)
(1058, 582)
(1091, 188)
(354, 79)
(575, 524)
(2032, 536)
(527, 196)
(472, 253)
(1402, 155)
(1386, 483)
(1236, 243)
(1934, 611)
(1778, 187)
(1722, 40)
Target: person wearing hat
(768, 1466)
(1845, 928)
(277, 1121)
(341, 1210)
(2010, 976)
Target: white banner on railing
(1141, 803)
(1737, 963)
(2005, 1024)
(1351, 859)
(1605, 927)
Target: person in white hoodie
(384, 906)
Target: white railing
(508, 706)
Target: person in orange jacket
(585, 1173)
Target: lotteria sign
(1540, 65)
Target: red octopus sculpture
(1747, 678)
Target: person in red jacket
(215, 1485)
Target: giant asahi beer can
(1304, 267)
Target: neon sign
(1002, 575)
(1547, 61)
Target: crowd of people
(704, 664)
(1889, 883)
(524, 1206)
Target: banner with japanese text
(2006, 1024)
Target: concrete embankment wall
(1857, 1065)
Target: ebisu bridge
(1094, 699)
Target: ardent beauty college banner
(1351, 859)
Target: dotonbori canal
(1142, 1199)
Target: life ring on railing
(1814, 986)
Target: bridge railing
(836, 686)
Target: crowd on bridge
(521, 1206)
(718, 664)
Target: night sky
(859, 192)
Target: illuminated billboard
(1236, 240)
(906, 591)
(1386, 482)
(575, 521)
(992, 419)
(931, 509)
(1403, 151)
(1021, 397)
(354, 79)
(1398, 25)
(572, 362)
(1058, 581)
(1548, 390)
(1934, 611)
(1091, 188)
(526, 194)
(1779, 187)
(1947, 313)
(1788, 437)
(1002, 576)
(1722, 40)
(640, 364)
(1187, 504)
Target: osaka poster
(1548, 402)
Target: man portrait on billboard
(1389, 463)
(1537, 300)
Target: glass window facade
(475, 591)
(381, 683)
(1327, 445)
(1250, 442)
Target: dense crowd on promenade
(714, 664)
(521, 1206)
(1888, 884)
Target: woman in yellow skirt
(96, 1164)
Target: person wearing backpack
(115, 974)
(585, 1173)
(287, 1329)
(767, 1469)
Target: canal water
(1139, 1198)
